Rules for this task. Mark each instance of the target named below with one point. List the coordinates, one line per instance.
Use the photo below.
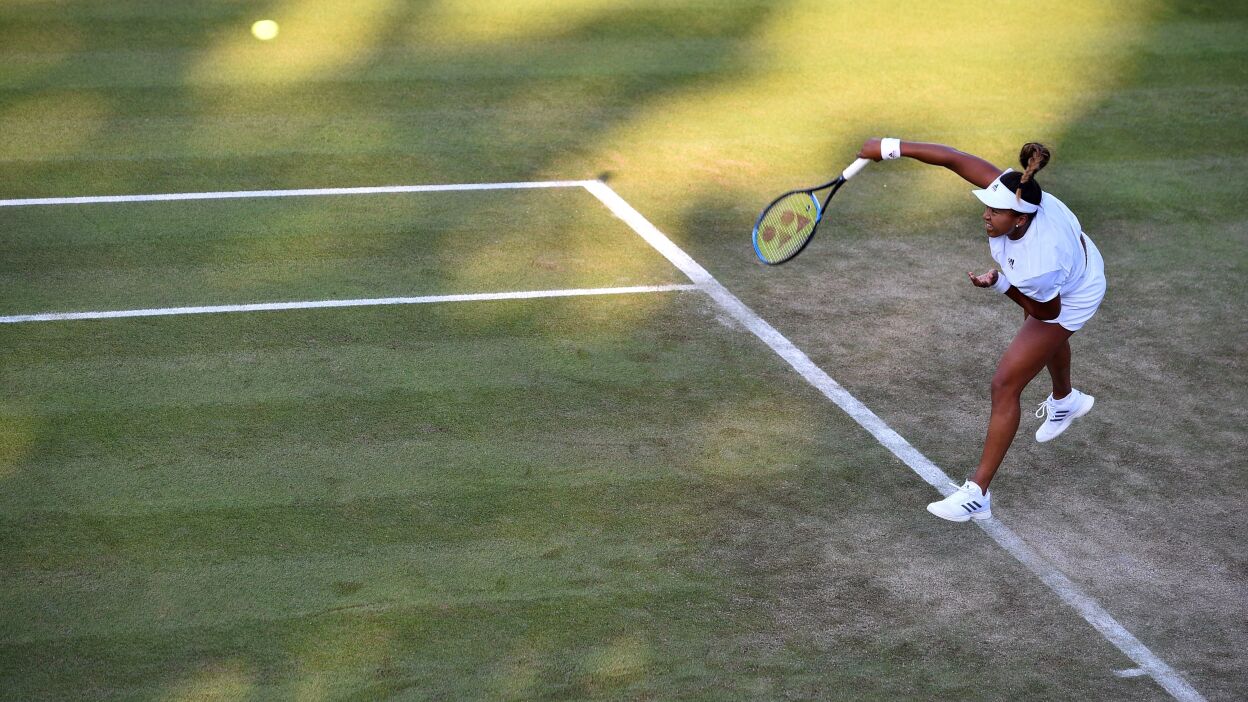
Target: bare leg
(1059, 370)
(1032, 349)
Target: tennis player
(1046, 265)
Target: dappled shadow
(884, 306)
(243, 599)
(702, 115)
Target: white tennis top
(1049, 259)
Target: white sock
(1065, 400)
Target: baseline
(1049, 574)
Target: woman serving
(1045, 264)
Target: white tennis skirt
(1080, 304)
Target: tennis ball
(264, 30)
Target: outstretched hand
(986, 280)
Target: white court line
(303, 192)
(1087, 607)
(265, 306)
(1049, 574)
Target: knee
(1005, 388)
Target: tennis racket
(788, 224)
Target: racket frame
(849, 172)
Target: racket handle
(854, 167)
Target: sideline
(1086, 606)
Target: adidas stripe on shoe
(967, 502)
(1062, 413)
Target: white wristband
(890, 148)
(1002, 285)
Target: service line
(314, 304)
(298, 192)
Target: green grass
(615, 497)
(549, 506)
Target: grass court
(622, 494)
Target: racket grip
(854, 167)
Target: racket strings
(786, 226)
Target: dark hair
(1032, 157)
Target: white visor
(1002, 198)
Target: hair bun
(1030, 151)
(1032, 157)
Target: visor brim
(1003, 199)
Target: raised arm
(974, 169)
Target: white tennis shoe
(1061, 413)
(967, 502)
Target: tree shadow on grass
(484, 112)
(1163, 354)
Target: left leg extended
(1032, 349)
